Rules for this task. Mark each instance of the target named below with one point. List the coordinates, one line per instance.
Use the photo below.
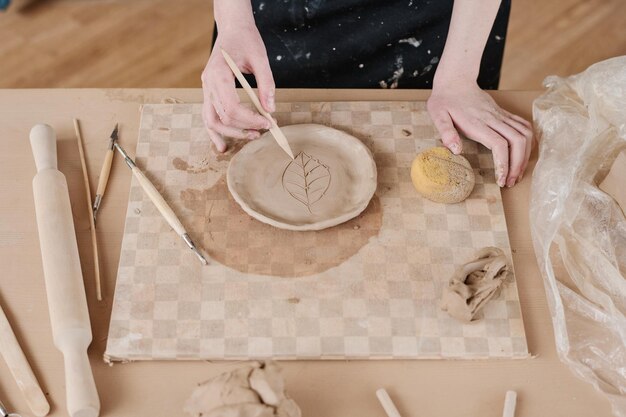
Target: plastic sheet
(578, 231)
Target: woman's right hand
(222, 111)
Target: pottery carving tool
(17, 363)
(104, 173)
(275, 130)
(160, 203)
(67, 304)
(388, 405)
(92, 219)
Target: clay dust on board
(234, 239)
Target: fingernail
(456, 148)
(501, 182)
(510, 182)
(253, 134)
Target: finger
(215, 137)
(235, 133)
(528, 134)
(265, 83)
(217, 140)
(499, 147)
(229, 109)
(232, 113)
(517, 125)
(449, 136)
(232, 132)
(517, 118)
(517, 148)
(527, 153)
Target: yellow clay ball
(441, 176)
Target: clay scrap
(257, 390)
(475, 283)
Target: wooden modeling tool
(67, 304)
(17, 363)
(388, 405)
(275, 130)
(510, 401)
(160, 203)
(104, 174)
(92, 219)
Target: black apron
(365, 43)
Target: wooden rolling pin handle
(43, 141)
(82, 396)
(159, 202)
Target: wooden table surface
(545, 386)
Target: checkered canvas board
(366, 289)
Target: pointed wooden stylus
(275, 130)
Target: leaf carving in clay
(306, 179)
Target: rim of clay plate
(324, 224)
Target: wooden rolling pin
(69, 317)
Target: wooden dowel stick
(92, 226)
(510, 401)
(388, 405)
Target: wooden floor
(165, 43)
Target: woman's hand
(457, 103)
(222, 112)
(463, 107)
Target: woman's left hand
(463, 107)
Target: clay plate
(331, 180)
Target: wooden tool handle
(20, 369)
(43, 141)
(160, 203)
(82, 396)
(104, 173)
